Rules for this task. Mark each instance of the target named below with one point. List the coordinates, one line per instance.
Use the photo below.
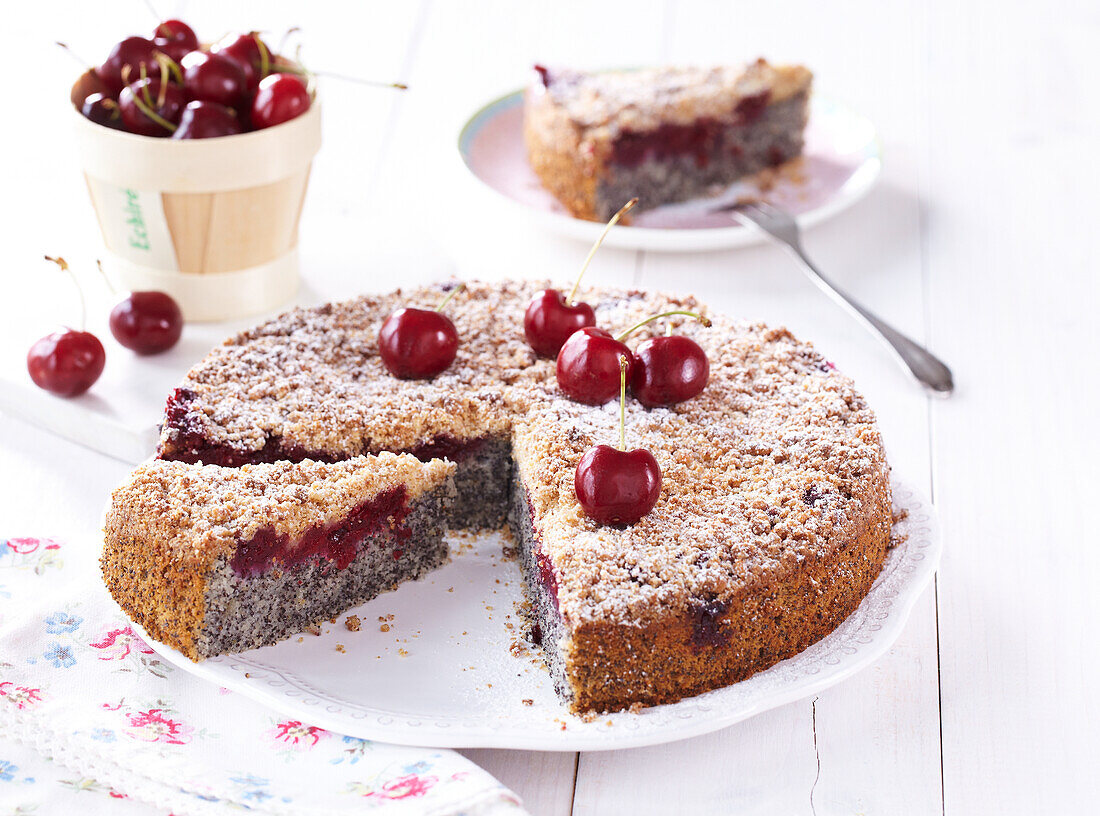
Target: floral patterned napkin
(91, 721)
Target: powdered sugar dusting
(778, 461)
(203, 511)
(616, 101)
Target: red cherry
(177, 34)
(549, 321)
(150, 107)
(417, 344)
(123, 65)
(103, 110)
(214, 78)
(279, 98)
(147, 322)
(616, 486)
(249, 52)
(668, 370)
(206, 120)
(588, 366)
(66, 363)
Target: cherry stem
(80, 290)
(701, 318)
(622, 402)
(107, 280)
(163, 84)
(614, 220)
(265, 55)
(167, 63)
(152, 114)
(344, 77)
(74, 55)
(155, 13)
(286, 36)
(450, 295)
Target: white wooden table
(979, 241)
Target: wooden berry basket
(212, 222)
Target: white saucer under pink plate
(840, 164)
(441, 661)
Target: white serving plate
(840, 163)
(445, 674)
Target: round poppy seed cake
(773, 520)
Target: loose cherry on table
(550, 318)
(418, 344)
(66, 363)
(614, 485)
(668, 369)
(214, 78)
(207, 120)
(279, 98)
(145, 322)
(151, 107)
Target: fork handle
(929, 370)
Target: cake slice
(596, 140)
(213, 560)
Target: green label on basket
(134, 225)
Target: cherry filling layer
(702, 139)
(192, 445)
(335, 544)
(707, 628)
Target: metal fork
(925, 366)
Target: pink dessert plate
(841, 161)
(442, 662)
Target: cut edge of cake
(213, 560)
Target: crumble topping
(641, 100)
(777, 463)
(203, 511)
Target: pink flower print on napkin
(20, 696)
(116, 644)
(403, 787)
(153, 726)
(298, 735)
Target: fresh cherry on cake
(668, 369)
(550, 318)
(250, 52)
(207, 120)
(175, 38)
(279, 98)
(418, 344)
(66, 363)
(214, 78)
(151, 107)
(588, 365)
(617, 486)
(103, 110)
(123, 65)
